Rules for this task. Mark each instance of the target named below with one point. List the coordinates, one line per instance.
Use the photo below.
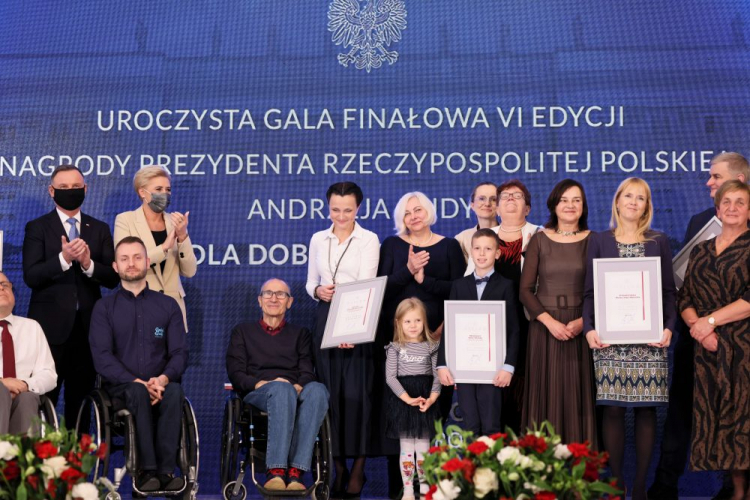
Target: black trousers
(157, 426)
(678, 426)
(75, 369)
(481, 406)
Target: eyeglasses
(515, 195)
(6, 285)
(483, 200)
(280, 294)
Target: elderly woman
(631, 375)
(164, 234)
(343, 253)
(715, 301)
(421, 264)
(559, 374)
(483, 204)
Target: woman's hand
(701, 329)
(410, 400)
(169, 242)
(346, 346)
(419, 276)
(426, 403)
(666, 338)
(711, 342)
(558, 330)
(593, 339)
(325, 292)
(575, 327)
(180, 223)
(417, 260)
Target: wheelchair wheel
(230, 441)
(47, 413)
(227, 491)
(94, 419)
(191, 449)
(322, 492)
(113, 495)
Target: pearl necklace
(425, 243)
(512, 230)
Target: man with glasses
(139, 347)
(26, 366)
(67, 258)
(270, 365)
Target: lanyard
(334, 272)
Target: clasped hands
(563, 331)
(155, 387)
(703, 331)
(77, 250)
(180, 223)
(417, 262)
(15, 386)
(297, 387)
(423, 403)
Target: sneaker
(147, 481)
(171, 483)
(294, 478)
(275, 479)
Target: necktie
(482, 280)
(73, 234)
(9, 355)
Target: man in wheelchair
(26, 366)
(270, 365)
(138, 344)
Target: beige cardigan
(180, 259)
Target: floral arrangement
(536, 466)
(56, 466)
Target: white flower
(537, 465)
(562, 452)
(513, 476)
(525, 462)
(446, 490)
(8, 451)
(509, 453)
(485, 481)
(486, 440)
(85, 491)
(52, 467)
(534, 488)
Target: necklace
(425, 243)
(566, 233)
(512, 230)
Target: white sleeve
(43, 376)
(370, 258)
(313, 276)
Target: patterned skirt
(631, 375)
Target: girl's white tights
(412, 456)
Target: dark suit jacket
(604, 246)
(497, 288)
(696, 223)
(54, 293)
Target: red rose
(71, 476)
(33, 482)
(85, 442)
(545, 495)
(537, 444)
(73, 458)
(11, 470)
(433, 489)
(52, 488)
(101, 452)
(499, 435)
(45, 449)
(591, 473)
(478, 447)
(452, 465)
(579, 449)
(468, 469)
(436, 449)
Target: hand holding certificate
(353, 316)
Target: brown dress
(721, 391)
(559, 374)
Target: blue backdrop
(248, 104)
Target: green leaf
(21, 493)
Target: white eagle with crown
(368, 27)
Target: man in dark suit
(481, 404)
(678, 425)
(67, 257)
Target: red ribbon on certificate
(364, 319)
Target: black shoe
(725, 493)
(147, 481)
(170, 482)
(659, 491)
(355, 496)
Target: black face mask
(70, 199)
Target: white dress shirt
(64, 219)
(359, 262)
(34, 363)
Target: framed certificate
(354, 313)
(627, 300)
(680, 261)
(474, 336)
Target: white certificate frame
(496, 312)
(373, 290)
(651, 296)
(680, 261)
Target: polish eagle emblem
(367, 28)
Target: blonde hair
(398, 212)
(144, 176)
(407, 305)
(644, 224)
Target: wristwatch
(712, 321)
